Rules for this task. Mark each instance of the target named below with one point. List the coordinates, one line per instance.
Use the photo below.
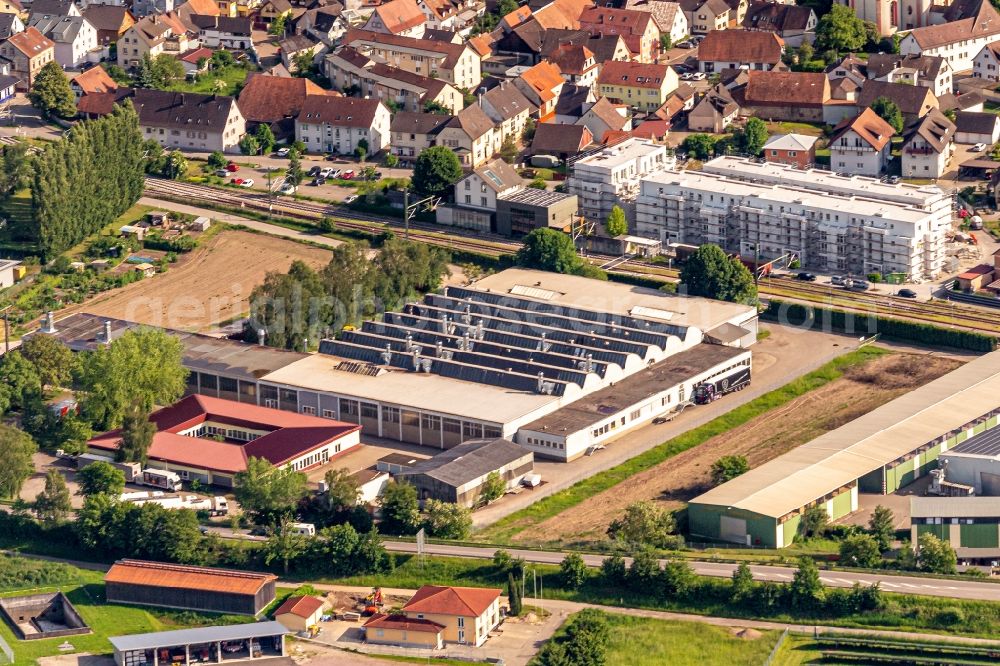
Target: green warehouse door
(732, 529)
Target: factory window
(411, 419)
(369, 410)
(451, 425)
(472, 429)
(635, 414)
(308, 409)
(430, 422)
(329, 414)
(349, 407)
(390, 414)
(491, 431)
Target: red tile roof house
(298, 613)
(638, 29)
(185, 431)
(464, 615)
(736, 49)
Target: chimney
(50, 323)
(107, 332)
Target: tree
(613, 569)
(437, 108)
(585, 641)
(267, 493)
(294, 175)
(390, 160)
(727, 468)
(342, 491)
(400, 509)
(573, 571)
(303, 64)
(860, 550)
(805, 53)
(52, 505)
(19, 381)
(217, 160)
(677, 579)
(616, 224)
(513, 595)
(710, 273)
(265, 138)
(175, 166)
(361, 150)
(699, 146)
(508, 149)
(549, 250)
(644, 525)
(249, 145)
(814, 522)
(888, 110)
(840, 30)
(285, 544)
(743, 584)
(137, 436)
(436, 169)
(53, 361)
(806, 589)
(141, 367)
(51, 94)
(493, 488)
(165, 70)
(100, 478)
(528, 133)
(447, 520)
(935, 555)
(754, 136)
(117, 74)
(643, 572)
(16, 464)
(277, 27)
(882, 526)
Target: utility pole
(6, 329)
(406, 213)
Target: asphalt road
(956, 589)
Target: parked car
(893, 180)
(315, 171)
(839, 280)
(351, 199)
(978, 148)
(686, 76)
(906, 293)
(806, 277)
(666, 418)
(221, 173)
(328, 172)
(859, 285)
(287, 188)
(282, 152)
(247, 182)
(318, 180)
(232, 167)
(346, 175)
(699, 76)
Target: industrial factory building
(484, 362)
(879, 452)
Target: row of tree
(87, 180)
(305, 304)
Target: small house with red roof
(861, 145)
(298, 613)
(466, 615)
(211, 439)
(396, 629)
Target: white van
(303, 529)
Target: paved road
(957, 589)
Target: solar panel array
(504, 340)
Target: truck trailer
(710, 391)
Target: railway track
(931, 312)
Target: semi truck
(160, 478)
(709, 391)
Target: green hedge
(636, 280)
(867, 324)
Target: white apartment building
(831, 223)
(611, 177)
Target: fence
(777, 648)
(6, 654)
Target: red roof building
(467, 615)
(211, 439)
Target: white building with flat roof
(833, 223)
(611, 176)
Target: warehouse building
(475, 362)
(458, 474)
(526, 209)
(976, 463)
(189, 587)
(879, 452)
(970, 524)
(210, 440)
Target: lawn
(809, 129)
(642, 641)
(233, 77)
(504, 530)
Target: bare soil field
(686, 475)
(205, 287)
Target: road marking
(782, 576)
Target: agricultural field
(860, 649)
(206, 287)
(858, 390)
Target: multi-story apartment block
(457, 64)
(333, 124)
(829, 222)
(611, 177)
